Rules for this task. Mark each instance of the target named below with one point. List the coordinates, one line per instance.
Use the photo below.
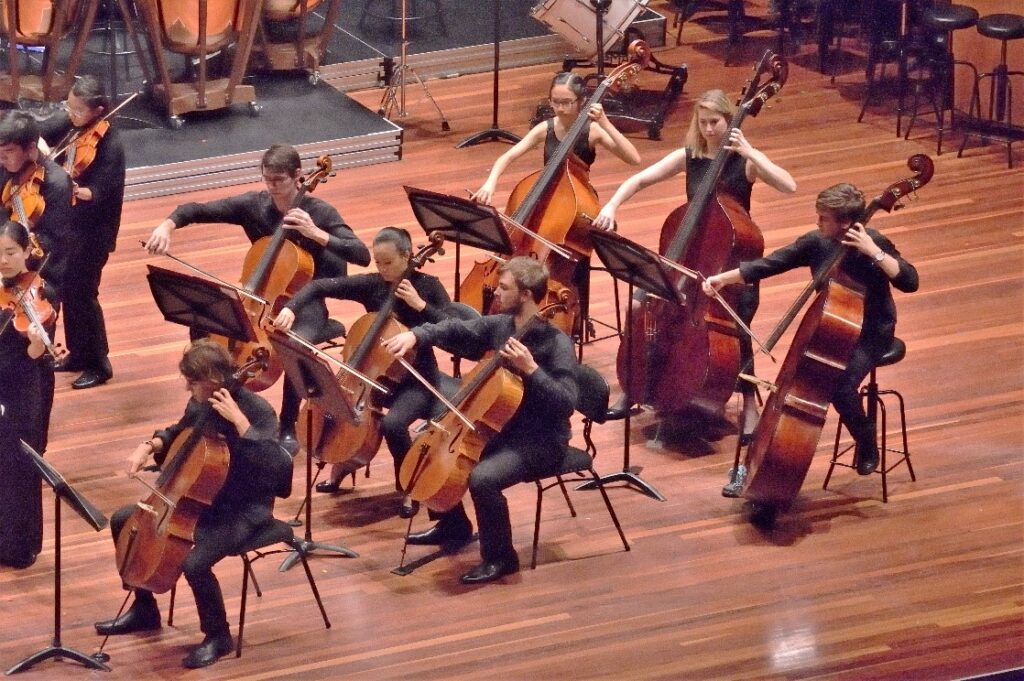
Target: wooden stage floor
(927, 586)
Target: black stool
(941, 21)
(998, 124)
(391, 11)
(892, 39)
(875, 406)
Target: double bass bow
(690, 355)
(556, 203)
(787, 434)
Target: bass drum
(576, 21)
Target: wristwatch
(878, 257)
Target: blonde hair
(715, 101)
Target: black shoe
(288, 440)
(209, 651)
(68, 365)
(488, 572)
(867, 459)
(618, 410)
(90, 379)
(19, 562)
(442, 534)
(142, 616)
(408, 510)
(734, 489)
(327, 486)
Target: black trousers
(846, 398)
(216, 537)
(84, 328)
(309, 323)
(411, 402)
(746, 306)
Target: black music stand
(640, 267)
(61, 490)
(494, 133)
(200, 304)
(316, 382)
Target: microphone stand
(494, 133)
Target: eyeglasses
(563, 102)
(72, 110)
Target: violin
(159, 534)
(356, 441)
(787, 434)
(23, 198)
(689, 355)
(81, 151)
(554, 205)
(28, 308)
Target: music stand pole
(494, 133)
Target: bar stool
(941, 21)
(875, 406)
(998, 124)
(892, 39)
(391, 11)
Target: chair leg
(565, 493)
(246, 571)
(611, 509)
(835, 454)
(882, 450)
(252, 576)
(312, 586)
(536, 525)
(170, 609)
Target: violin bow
(436, 393)
(512, 222)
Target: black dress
(26, 395)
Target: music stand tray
(460, 221)
(315, 381)
(200, 304)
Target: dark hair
(573, 81)
(282, 158)
(842, 200)
(397, 237)
(17, 231)
(529, 274)
(89, 90)
(205, 360)
(18, 127)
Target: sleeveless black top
(733, 180)
(581, 148)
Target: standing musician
(421, 298)
(315, 226)
(258, 470)
(565, 96)
(704, 138)
(26, 396)
(531, 441)
(95, 160)
(875, 264)
(37, 193)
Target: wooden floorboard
(927, 586)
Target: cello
(787, 435)
(690, 355)
(357, 441)
(556, 203)
(157, 537)
(436, 469)
(273, 271)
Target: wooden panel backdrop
(846, 587)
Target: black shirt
(99, 218)
(581, 148)
(733, 180)
(814, 250)
(54, 228)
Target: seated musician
(259, 469)
(875, 264)
(314, 225)
(533, 440)
(37, 193)
(421, 298)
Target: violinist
(566, 95)
(421, 298)
(532, 441)
(704, 138)
(315, 226)
(26, 396)
(257, 470)
(37, 192)
(95, 160)
(875, 264)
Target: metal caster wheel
(254, 109)
(176, 122)
(314, 78)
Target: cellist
(704, 138)
(875, 264)
(421, 298)
(258, 468)
(315, 226)
(532, 440)
(95, 160)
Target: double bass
(689, 355)
(787, 435)
(274, 270)
(556, 203)
(356, 441)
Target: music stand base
(307, 547)
(489, 135)
(631, 479)
(58, 651)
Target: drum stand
(397, 81)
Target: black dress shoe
(209, 651)
(488, 572)
(441, 534)
(867, 459)
(409, 510)
(288, 440)
(91, 379)
(19, 562)
(327, 486)
(142, 616)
